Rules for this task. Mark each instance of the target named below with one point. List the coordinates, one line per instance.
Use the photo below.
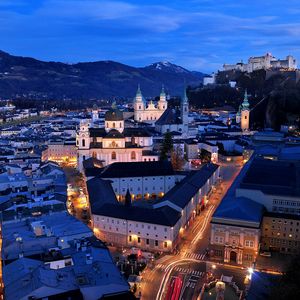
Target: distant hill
(24, 77)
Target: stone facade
(149, 112)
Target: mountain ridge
(26, 77)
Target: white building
(157, 228)
(175, 120)
(114, 142)
(61, 151)
(145, 180)
(149, 112)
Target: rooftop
(182, 193)
(138, 169)
(273, 177)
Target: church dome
(114, 115)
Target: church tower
(245, 113)
(95, 114)
(185, 108)
(83, 143)
(162, 103)
(138, 105)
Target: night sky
(198, 35)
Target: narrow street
(190, 262)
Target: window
(113, 155)
(139, 240)
(133, 155)
(83, 142)
(156, 243)
(130, 238)
(249, 244)
(114, 125)
(120, 125)
(165, 244)
(147, 241)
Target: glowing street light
(250, 271)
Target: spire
(127, 199)
(185, 98)
(245, 104)
(138, 92)
(162, 93)
(138, 96)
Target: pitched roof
(170, 116)
(100, 192)
(239, 208)
(273, 177)
(137, 169)
(182, 193)
(113, 133)
(162, 216)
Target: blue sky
(196, 34)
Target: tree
(166, 146)
(177, 158)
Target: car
(265, 254)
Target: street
(190, 262)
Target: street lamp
(250, 272)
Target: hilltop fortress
(266, 62)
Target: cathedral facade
(149, 112)
(114, 142)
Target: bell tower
(185, 108)
(139, 105)
(245, 113)
(162, 103)
(83, 143)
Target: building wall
(245, 115)
(273, 203)
(60, 153)
(281, 234)
(140, 187)
(226, 240)
(128, 233)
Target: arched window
(133, 155)
(114, 125)
(140, 107)
(107, 124)
(120, 124)
(83, 142)
(113, 155)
